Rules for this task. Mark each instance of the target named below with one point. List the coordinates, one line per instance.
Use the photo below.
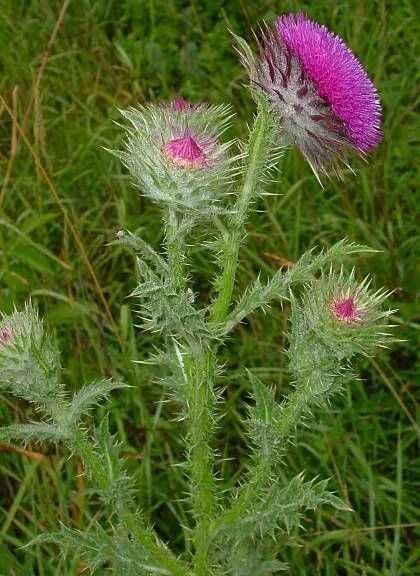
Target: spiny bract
(176, 157)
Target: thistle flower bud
(318, 90)
(347, 309)
(336, 319)
(174, 153)
(344, 315)
(29, 362)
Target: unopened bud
(29, 362)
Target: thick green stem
(258, 152)
(199, 373)
(198, 366)
(175, 249)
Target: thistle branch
(260, 473)
(259, 151)
(198, 366)
(198, 369)
(278, 286)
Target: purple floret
(338, 76)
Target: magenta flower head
(190, 150)
(346, 309)
(175, 154)
(320, 91)
(185, 151)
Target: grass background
(65, 68)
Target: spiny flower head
(175, 155)
(346, 314)
(320, 91)
(29, 362)
(338, 75)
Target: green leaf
(39, 431)
(139, 246)
(263, 417)
(96, 546)
(284, 506)
(89, 396)
(113, 484)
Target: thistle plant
(311, 92)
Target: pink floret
(185, 151)
(338, 76)
(346, 310)
(179, 104)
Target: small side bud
(347, 313)
(336, 319)
(29, 362)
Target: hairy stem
(199, 370)
(258, 152)
(198, 366)
(175, 249)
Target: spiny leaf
(38, 431)
(140, 246)
(260, 295)
(263, 417)
(96, 546)
(114, 483)
(90, 395)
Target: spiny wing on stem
(260, 295)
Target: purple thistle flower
(328, 105)
(186, 151)
(338, 75)
(351, 302)
(346, 310)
